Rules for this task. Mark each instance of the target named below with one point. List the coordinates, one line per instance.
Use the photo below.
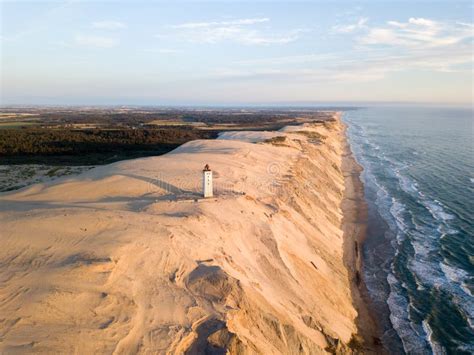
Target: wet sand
(355, 222)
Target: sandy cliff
(124, 258)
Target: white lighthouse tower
(207, 181)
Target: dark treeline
(38, 145)
(261, 117)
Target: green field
(19, 124)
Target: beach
(129, 258)
(355, 223)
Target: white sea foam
(421, 249)
(411, 187)
(468, 348)
(423, 230)
(466, 289)
(462, 295)
(452, 273)
(471, 323)
(399, 318)
(426, 272)
(437, 211)
(446, 230)
(437, 348)
(397, 210)
(405, 183)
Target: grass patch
(315, 137)
(326, 123)
(14, 125)
(278, 141)
(53, 172)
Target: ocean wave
(427, 273)
(437, 211)
(467, 290)
(422, 248)
(446, 230)
(435, 208)
(384, 204)
(437, 348)
(420, 223)
(469, 349)
(406, 184)
(411, 187)
(399, 317)
(453, 273)
(397, 210)
(463, 299)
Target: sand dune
(128, 258)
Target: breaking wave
(429, 257)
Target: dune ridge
(128, 258)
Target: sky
(236, 52)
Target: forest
(95, 146)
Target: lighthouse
(207, 181)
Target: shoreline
(354, 225)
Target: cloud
(417, 45)
(240, 31)
(418, 33)
(108, 25)
(361, 69)
(295, 59)
(96, 41)
(239, 22)
(307, 75)
(469, 25)
(422, 22)
(360, 24)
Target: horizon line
(292, 104)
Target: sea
(419, 253)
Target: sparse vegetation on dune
(279, 140)
(312, 135)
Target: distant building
(207, 182)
